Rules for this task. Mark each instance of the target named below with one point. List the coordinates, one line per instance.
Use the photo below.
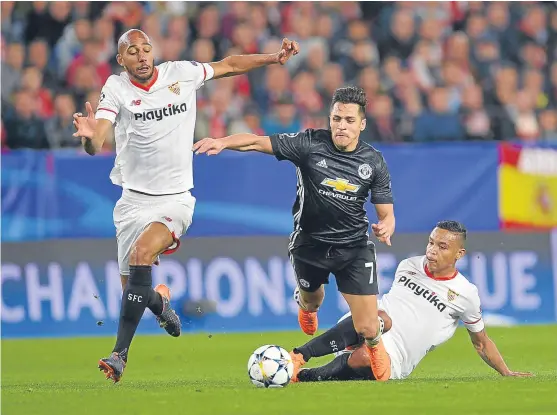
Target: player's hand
(518, 374)
(208, 145)
(383, 230)
(85, 126)
(288, 49)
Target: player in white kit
(152, 110)
(427, 300)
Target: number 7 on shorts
(372, 266)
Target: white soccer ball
(270, 367)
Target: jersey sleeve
(472, 314)
(380, 190)
(109, 104)
(293, 147)
(195, 71)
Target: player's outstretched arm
(488, 351)
(238, 142)
(239, 64)
(92, 132)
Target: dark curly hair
(351, 95)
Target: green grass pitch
(198, 374)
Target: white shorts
(135, 211)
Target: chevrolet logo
(341, 185)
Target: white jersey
(154, 126)
(425, 313)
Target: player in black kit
(336, 173)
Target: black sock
(333, 340)
(337, 369)
(137, 296)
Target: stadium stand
(433, 71)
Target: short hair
(351, 95)
(454, 227)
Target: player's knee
(141, 254)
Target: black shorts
(354, 268)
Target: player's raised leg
(338, 338)
(138, 294)
(364, 314)
(357, 281)
(309, 293)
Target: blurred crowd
(432, 71)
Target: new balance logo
(322, 163)
(136, 102)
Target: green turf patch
(198, 375)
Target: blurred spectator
(381, 127)
(485, 70)
(38, 56)
(128, 14)
(277, 84)
(553, 85)
(402, 39)
(24, 128)
(476, 26)
(207, 26)
(523, 116)
(32, 82)
(457, 49)
(215, 117)
(283, 118)
(203, 50)
(85, 80)
(152, 26)
(178, 28)
(47, 20)
(476, 122)
(424, 65)
(438, 124)
(103, 32)
(331, 79)
(499, 20)
(89, 57)
(71, 43)
(92, 97)
(59, 129)
(12, 26)
(412, 108)
(533, 82)
(11, 69)
(548, 125)
(362, 55)
(250, 123)
(173, 49)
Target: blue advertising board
(62, 194)
(72, 287)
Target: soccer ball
(270, 367)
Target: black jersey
(333, 186)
